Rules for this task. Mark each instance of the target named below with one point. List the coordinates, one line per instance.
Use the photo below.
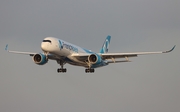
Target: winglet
(6, 48)
(170, 50)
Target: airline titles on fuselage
(67, 46)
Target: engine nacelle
(94, 59)
(40, 59)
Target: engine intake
(94, 58)
(40, 59)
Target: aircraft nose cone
(44, 46)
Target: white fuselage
(61, 48)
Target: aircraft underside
(83, 64)
(90, 68)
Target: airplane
(64, 52)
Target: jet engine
(94, 59)
(40, 59)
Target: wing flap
(81, 56)
(117, 55)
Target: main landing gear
(89, 70)
(63, 70)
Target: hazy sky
(148, 84)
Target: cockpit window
(47, 41)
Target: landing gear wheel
(61, 62)
(64, 70)
(87, 70)
(61, 70)
(91, 70)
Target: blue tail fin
(105, 46)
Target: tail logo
(105, 46)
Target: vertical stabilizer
(105, 46)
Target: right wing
(50, 56)
(19, 52)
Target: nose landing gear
(63, 70)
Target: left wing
(126, 55)
(113, 56)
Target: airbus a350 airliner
(64, 52)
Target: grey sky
(149, 83)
